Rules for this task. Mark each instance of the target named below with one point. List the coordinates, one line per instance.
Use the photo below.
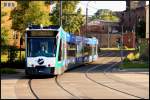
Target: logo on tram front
(40, 61)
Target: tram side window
(80, 49)
(71, 50)
(60, 51)
(86, 49)
(94, 51)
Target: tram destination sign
(42, 33)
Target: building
(130, 5)
(130, 19)
(135, 12)
(106, 32)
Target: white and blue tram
(51, 51)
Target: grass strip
(135, 65)
(8, 71)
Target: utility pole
(60, 13)
(86, 19)
(108, 34)
(121, 48)
(134, 36)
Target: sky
(93, 6)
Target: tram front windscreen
(41, 47)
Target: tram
(51, 51)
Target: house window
(12, 4)
(5, 4)
(9, 4)
(17, 35)
(103, 28)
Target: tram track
(59, 84)
(33, 93)
(62, 87)
(32, 90)
(68, 91)
(102, 84)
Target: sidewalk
(8, 82)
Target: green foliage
(8, 71)
(135, 65)
(18, 16)
(29, 12)
(144, 49)
(36, 15)
(4, 36)
(71, 19)
(105, 14)
(13, 53)
(141, 29)
(133, 56)
(4, 31)
(50, 2)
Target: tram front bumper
(39, 70)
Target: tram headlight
(49, 65)
(32, 65)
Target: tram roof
(70, 37)
(77, 39)
(40, 27)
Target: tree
(4, 34)
(29, 12)
(35, 14)
(4, 31)
(71, 20)
(18, 16)
(140, 29)
(105, 14)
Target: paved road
(76, 84)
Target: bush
(133, 56)
(13, 53)
(126, 60)
(137, 56)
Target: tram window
(41, 47)
(60, 51)
(94, 49)
(86, 49)
(71, 50)
(80, 49)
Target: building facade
(134, 13)
(106, 32)
(130, 5)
